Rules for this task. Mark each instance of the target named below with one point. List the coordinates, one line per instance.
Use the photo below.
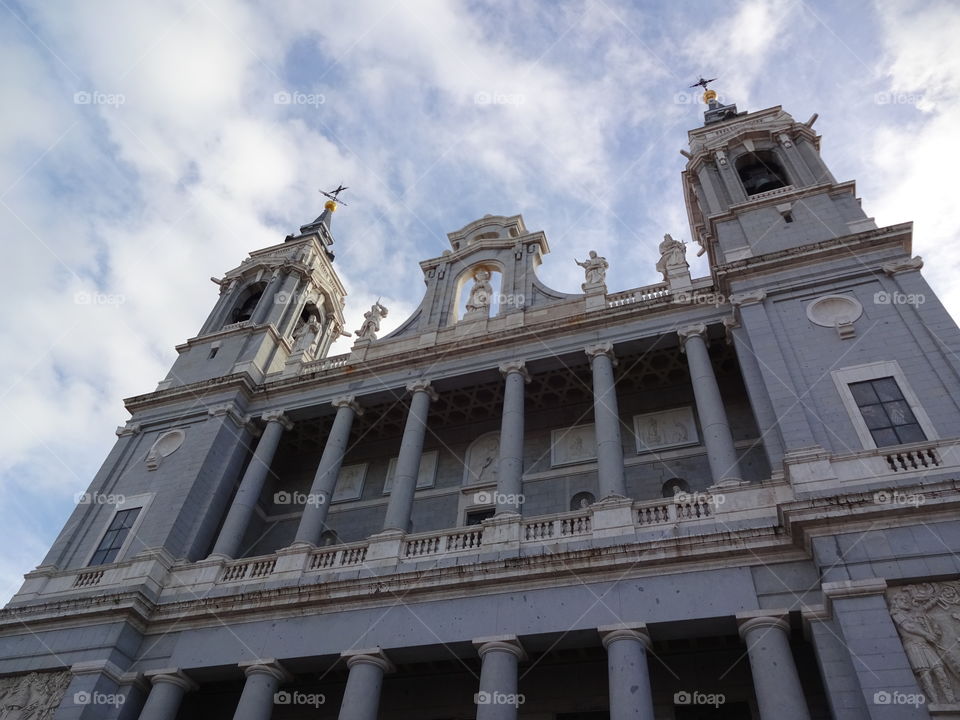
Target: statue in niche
(673, 257)
(371, 322)
(480, 293)
(594, 269)
(926, 617)
(305, 335)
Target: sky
(145, 147)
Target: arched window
(760, 172)
(247, 303)
(675, 486)
(581, 501)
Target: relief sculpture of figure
(371, 322)
(921, 642)
(594, 269)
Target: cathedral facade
(732, 496)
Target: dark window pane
(863, 393)
(114, 537)
(98, 557)
(875, 417)
(910, 433)
(887, 389)
(899, 412)
(885, 437)
(128, 518)
(110, 556)
(109, 539)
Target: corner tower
(282, 306)
(755, 184)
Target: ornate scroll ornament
(751, 297)
(32, 697)
(927, 616)
(128, 429)
(280, 417)
(785, 140)
(899, 266)
(604, 348)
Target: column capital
(751, 297)
(625, 631)
(756, 619)
(501, 643)
(422, 385)
(171, 676)
(689, 331)
(515, 366)
(229, 410)
(278, 416)
(266, 667)
(602, 348)
(371, 656)
(349, 401)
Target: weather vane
(702, 83)
(334, 193)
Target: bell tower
(755, 184)
(281, 307)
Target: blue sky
(145, 147)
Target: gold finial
(330, 205)
(709, 95)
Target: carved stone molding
(507, 643)
(603, 348)
(927, 616)
(372, 656)
(167, 444)
(128, 429)
(899, 266)
(267, 667)
(231, 410)
(625, 631)
(695, 330)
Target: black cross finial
(334, 193)
(702, 83)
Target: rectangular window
(475, 517)
(886, 412)
(115, 536)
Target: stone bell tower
(755, 184)
(281, 307)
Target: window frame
(843, 377)
(128, 503)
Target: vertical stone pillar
(775, 680)
(510, 468)
(631, 697)
(606, 418)
(836, 665)
(408, 461)
(880, 661)
(325, 478)
(721, 454)
(263, 679)
(166, 693)
(241, 509)
(266, 303)
(498, 698)
(361, 697)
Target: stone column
(361, 697)
(263, 679)
(510, 468)
(241, 509)
(628, 675)
(775, 680)
(166, 693)
(408, 461)
(325, 479)
(266, 303)
(606, 418)
(724, 466)
(498, 698)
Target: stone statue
(594, 269)
(371, 322)
(480, 293)
(673, 257)
(305, 335)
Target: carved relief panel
(32, 697)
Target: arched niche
(761, 171)
(246, 303)
(465, 284)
